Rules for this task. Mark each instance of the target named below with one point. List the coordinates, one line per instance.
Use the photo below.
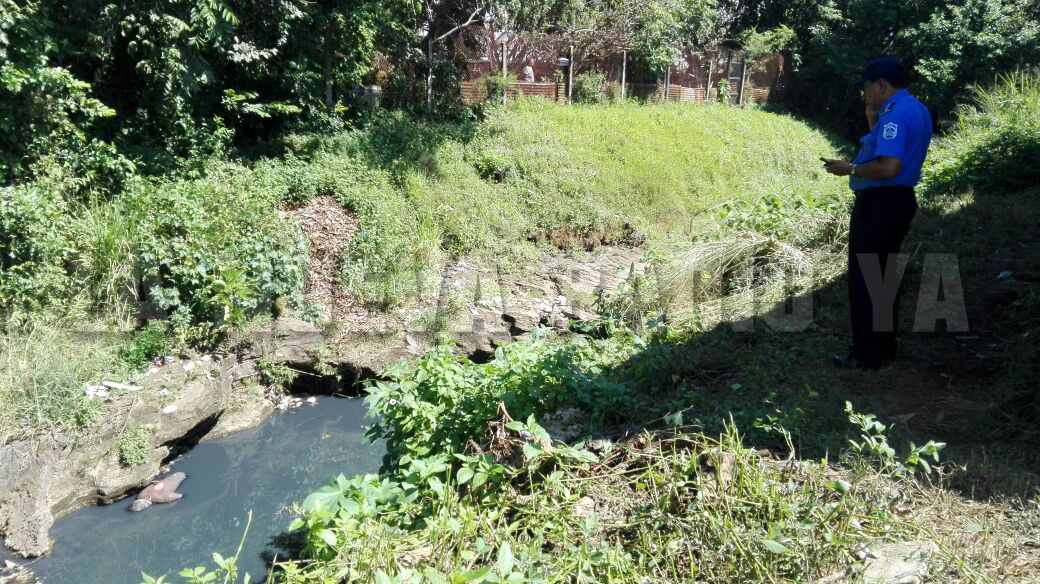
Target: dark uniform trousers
(880, 220)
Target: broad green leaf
(775, 546)
(505, 559)
(531, 450)
(323, 498)
(464, 475)
(328, 536)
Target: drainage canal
(263, 470)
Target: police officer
(883, 177)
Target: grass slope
(210, 249)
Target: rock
(42, 479)
(294, 341)
(111, 478)
(15, 461)
(246, 413)
(473, 343)
(898, 563)
(12, 573)
(723, 468)
(584, 507)
(27, 522)
(521, 319)
(578, 313)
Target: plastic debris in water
(1004, 275)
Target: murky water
(264, 470)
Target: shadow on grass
(391, 141)
(975, 390)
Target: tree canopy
(107, 87)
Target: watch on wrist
(852, 171)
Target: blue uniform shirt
(903, 131)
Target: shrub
(275, 373)
(216, 249)
(133, 446)
(148, 343)
(32, 248)
(995, 144)
(588, 87)
(724, 94)
(496, 85)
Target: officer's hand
(837, 167)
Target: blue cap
(882, 68)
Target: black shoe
(851, 361)
(887, 355)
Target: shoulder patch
(889, 131)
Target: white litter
(122, 386)
(169, 409)
(94, 391)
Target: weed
(133, 446)
(275, 373)
(152, 341)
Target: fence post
(624, 62)
(707, 82)
(740, 90)
(570, 75)
(505, 78)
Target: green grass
(994, 146)
(211, 250)
(653, 166)
(473, 495)
(44, 364)
(540, 173)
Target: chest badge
(889, 130)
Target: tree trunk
(624, 62)
(429, 74)
(328, 77)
